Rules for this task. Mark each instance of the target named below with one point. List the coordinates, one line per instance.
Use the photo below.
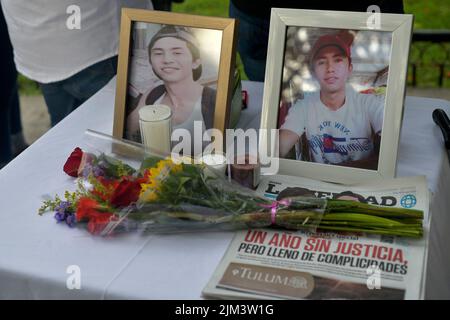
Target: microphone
(442, 120)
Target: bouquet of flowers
(165, 195)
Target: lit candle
(216, 162)
(155, 122)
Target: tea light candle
(155, 122)
(215, 161)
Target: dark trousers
(253, 35)
(9, 98)
(62, 97)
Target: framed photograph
(182, 62)
(335, 88)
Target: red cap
(342, 40)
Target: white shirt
(196, 143)
(46, 50)
(341, 135)
(196, 115)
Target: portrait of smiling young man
(174, 57)
(173, 62)
(342, 126)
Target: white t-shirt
(341, 135)
(46, 50)
(189, 125)
(196, 115)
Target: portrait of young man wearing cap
(342, 126)
(174, 56)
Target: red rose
(73, 162)
(126, 192)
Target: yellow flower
(148, 195)
(149, 190)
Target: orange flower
(91, 210)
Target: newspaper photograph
(278, 264)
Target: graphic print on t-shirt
(336, 136)
(328, 144)
(334, 143)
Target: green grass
(431, 14)
(213, 8)
(434, 14)
(27, 87)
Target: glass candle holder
(215, 161)
(155, 122)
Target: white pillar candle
(155, 122)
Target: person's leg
(16, 122)
(162, 5)
(5, 132)
(87, 82)
(8, 82)
(18, 143)
(59, 102)
(253, 36)
(65, 96)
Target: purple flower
(92, 169)
(87, 169)
(60, 216)
(70, 220)
(63, 213)
(63, 206)
(98, 171)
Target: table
(36, 254)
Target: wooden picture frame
(223, 82)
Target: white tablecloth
(35, 252)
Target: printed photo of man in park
(334, 120)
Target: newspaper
(277, 264)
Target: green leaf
(149, 162)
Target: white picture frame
(400, 28)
